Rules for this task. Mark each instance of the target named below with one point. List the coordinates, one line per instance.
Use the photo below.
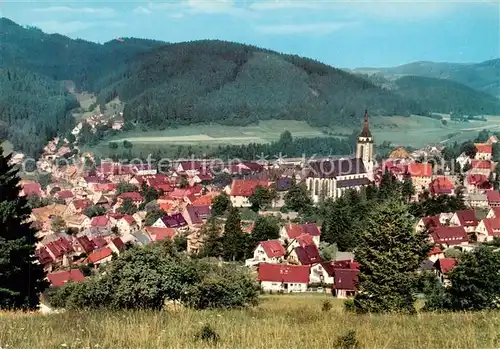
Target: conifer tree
(22, 280)
(212, 239)
(389, 253)
(234, 241)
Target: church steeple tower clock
(364, 146)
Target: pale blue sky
(341, 33)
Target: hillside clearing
(286, 321)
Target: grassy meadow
(286, 321)
(415, 131)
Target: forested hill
(229, 83)
(166, 85)
(62, 58)
(483, 76)
(33, 109)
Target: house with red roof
(442, 267)
(476, 182)
(79, 205)
(60, 278)
(116, 245)
(270, 251)
(44, 258)
(283, 278)
(100, 224)
(160, 234)
(484, 151)
(480, 167)
(83, 244)
(242, 189)
(488, 229)
(441, 186)
(493, 197)
(59, 248)
(78, 221)
(126, 225)
(427, 223)
(175, 220)
(291, 231)
(420, 174)
(448, 236)
(136, 198)
(466, 219)
(196, 216)
(435, 253)
(494, 212)
(100, 256)
(66, 195)
(305, 255)
(346, 281)
(31, 189)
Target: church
(330, 178)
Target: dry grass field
(287, 321)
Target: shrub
(349, 305)
(207, 334)
(348, 341)
(146, 277)
(326, 306)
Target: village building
(478, 200)
(488, 229)
(466, 219)
(175, 220)
(60, 278)
(345, 282)
(449, 236)
(331, 178)
(441, 186)
(283, 278)
(270, 251)
(483, 151)
(291, 231)
(420, 175)
(493, 197)
(242, 189)
(442, 267)
(196, 216)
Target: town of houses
(291, 263)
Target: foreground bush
(146, 277)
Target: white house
(322, 273)
(488, 229)
(242, 189)
(283, 278)
(270, 251)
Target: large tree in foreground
(21, 279)
(389, 253)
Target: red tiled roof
(346, 279)
(283, 273)
(493, 196)
(43, 256)
(31, 189)
(477, 179)
(81, 204)
(129, 219)
(59, 247)
(308, 254)
(311, 229)
(87, 245)
(432, 221)
(131, 195)
(198, 213)
(294, 229)
(64, 194)
(159, 234)
(60, 278)
(304, 240)
(449, 235)
(175, 220)
(496, 211)
(99, 255)
(481, 164)
(246, 187)
(99, 241)
(273, 248)
(435, 250)
(484, 148)
(420, 169)
(100, 221)
(467, 218)
(445, 264)
(492, 226)
(441, 185)
(118, 243)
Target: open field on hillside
(287, 321)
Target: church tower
(364, 147)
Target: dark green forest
(33, 109)
(166, 85)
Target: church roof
(365, 132)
